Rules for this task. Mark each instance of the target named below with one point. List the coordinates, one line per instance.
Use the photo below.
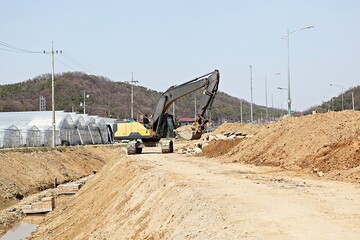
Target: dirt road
(154, 196)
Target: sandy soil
(30, 170)
(328, 143)
(154, 196)
(294, 179)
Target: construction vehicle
(159, 129)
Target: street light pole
(266, 98)
(251, 104)
(266, 103)
(289, 97)
(287, 37)
(353, 102)
(342, 94)
(132, 96)
(281, 88)
(85, 96)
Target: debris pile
(208, 138)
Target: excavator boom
(208, 82)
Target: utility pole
(353, 102)
(251, 104)
(241, 111)
(195, 106)
(266, 102)
(272, 107)
(53, 93)
(85, 96)
(132, 82)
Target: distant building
(186, 121)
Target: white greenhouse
(93, 130)
(10, 136)
(33, 129)
(103, 130)
(33, 137)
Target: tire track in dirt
(155, 196)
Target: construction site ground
(294, 179)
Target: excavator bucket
(188, 132)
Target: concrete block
(69, 188)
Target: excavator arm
(208, 82)
(161, 129)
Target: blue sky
(166, 42)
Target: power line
(77, 63)
(58, 60)
(10, 50)
(13, 48)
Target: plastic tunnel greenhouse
(103, 131)
(81, 130)
(10, 137)
(34, 129)
(93, 130)
(33, 137)
(65, 131)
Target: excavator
(159, 129)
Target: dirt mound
(236, 127)
(220, 147)
(327, 143)
(126, 198)
(27, 171)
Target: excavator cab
(166, 129)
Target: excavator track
(133, 148)
(167, 146)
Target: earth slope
(326, 143)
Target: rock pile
(205, 141)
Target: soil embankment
(159, 196)
(31, 170)
(328, 144)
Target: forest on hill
(112, 99)
(349, 99)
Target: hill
(112, 99)
(335, 103)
